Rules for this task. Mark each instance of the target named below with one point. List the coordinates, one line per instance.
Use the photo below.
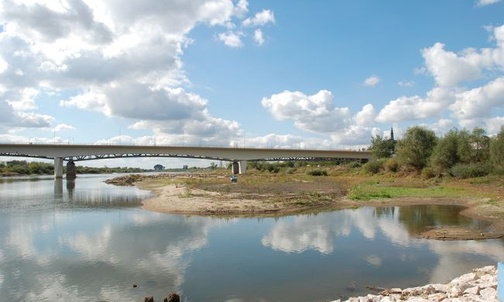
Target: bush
(470, 170)
(391, 165)
(428, 173)
(374, 166)
(354, 164)
(317, 173)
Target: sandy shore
(179, 199)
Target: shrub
(354, 164)
(391, 165)
(317, 173)
(428, 173)
(374, 166)
(470, 170)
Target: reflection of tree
(418, 218)
(384, 212)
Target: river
(89, 241)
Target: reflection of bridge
(239, 156)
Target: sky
(324, 74)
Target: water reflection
(96, 255)
(88, 248)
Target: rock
(149, 299)
(480, 285)
(489, 294)
(173, 297)
(472, 290)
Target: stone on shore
(479, 285)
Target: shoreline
(479, 285)
(179, 199)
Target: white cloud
(317, 113)
(371, 81)
(258, 37)
(486, 2)
(3, 65)
(415, 107)
(406, 83)
(479, 102)
(121, 60)
(450, 69)
(241, 8)
(231, 39)
(63, 127)
(262, 18)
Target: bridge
(238, 156)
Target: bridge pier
(71, 173)
(58, 167)
(239, 167)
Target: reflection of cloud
(374, 260)
(320, 232)
(451, 262)
(303, 233)
(84, 255)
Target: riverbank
(478, 285)
(276, 195)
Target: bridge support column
(58, 167)
(243, 166)
(239, 167)
(71, 173)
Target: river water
(89, 241)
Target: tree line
(22, 167)
(459, 153)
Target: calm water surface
(88, 241)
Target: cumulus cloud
(258, 37)
(406, 83)
(317, 113)
(231, 39)
(262, 18)
(479, 102)
(449, 68)
(415, 107)
(486, 2)
(371, 81)
(121, 60)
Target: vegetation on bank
(22, 167)
(459, 153)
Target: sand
(178, 199)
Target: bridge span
(238, 156)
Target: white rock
(464, 279)
(472, 290)
(489, 294)
(440, 287)
(455, 291)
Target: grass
(369, 191)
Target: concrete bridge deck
(235, 155)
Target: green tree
(480, 143)
(497, 150)
(158, 167)
(381, 147)
(415, 148)
(446, 153)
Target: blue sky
(322, 74)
